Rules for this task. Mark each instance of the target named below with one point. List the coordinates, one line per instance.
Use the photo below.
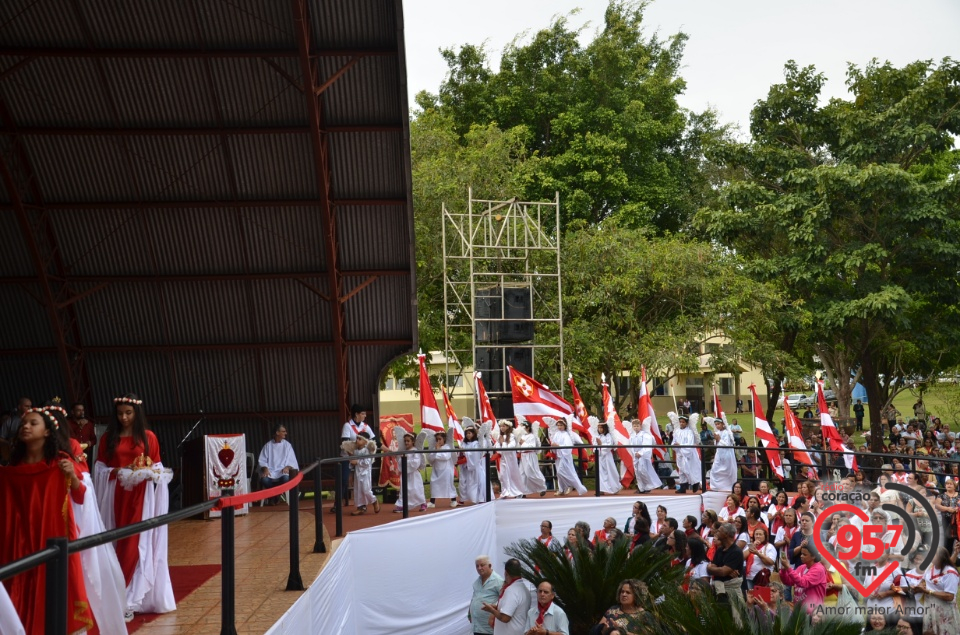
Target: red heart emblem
(840, 566)
(226, 456)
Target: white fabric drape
(356, 593)
(9, 620)
(101, 569)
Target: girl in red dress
(35, 490)
(131, 485)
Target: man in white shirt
(510, 613)
(545, 617)
(349, 432)
(277, 461)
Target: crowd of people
(53, 484)
(760, 551)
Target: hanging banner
(225, 467)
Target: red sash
(505, 587)
(541, 611)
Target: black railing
(56, 554)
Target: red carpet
(185, 581)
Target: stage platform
(262, 563)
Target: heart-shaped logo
(841, 566)
(226, 455)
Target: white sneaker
(430, 505)
(128, 615)
(453, 503)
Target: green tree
(602, 121)
(851, 208)
(632, 298)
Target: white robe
(688, 459)
(609, 479)
(363, 479)
(472, 482)
(531, 478)
(10, 623)
(509, 468)
(647, 477)
(414, 482)
(566, 472)
(723, 474)
(441, 477)
(150, 590)
(101, 569)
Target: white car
(792, 400)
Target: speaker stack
(503, 317)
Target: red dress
(35, 507)
(128, 505)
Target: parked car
(793, 400)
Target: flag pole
(753, 395)
(674, 395)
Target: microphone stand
(180, 454)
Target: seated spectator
(278, 462)
(628, 612)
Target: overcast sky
(736, 49)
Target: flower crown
(45, 412)
(128, 400)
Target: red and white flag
(429, 413)
(830, 432)
(795, 436)
(486, 410)
(717, 407)
(619, 433)
(533, 401)
(580, 423)
(765, 434)
(645, 409)
(453, 424)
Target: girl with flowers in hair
(132, 486)
(34, 492)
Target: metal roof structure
(207, 203)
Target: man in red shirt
(82, 430)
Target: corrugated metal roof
(160, 178)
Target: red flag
(645, 409)
(830, 430)
(765, 434)
(795, 435)
(533, 401)
(453, 424)
(580, 423)
(486, 410)
(717, 407)
(619, 433)
(429, 413)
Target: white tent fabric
(414, 576)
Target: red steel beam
(318, 139)
(186, 348)
(195, 204)
(50, 299)
(171, 53)
(208, 277)
(199, 131)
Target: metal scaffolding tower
(502, 294)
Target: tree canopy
(851, 208)
(600, 122)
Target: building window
(726, 385)
(695, 381)
(389, 384)
(623, 384)
(659, 387)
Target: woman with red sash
(35, 490)
(131, 485)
